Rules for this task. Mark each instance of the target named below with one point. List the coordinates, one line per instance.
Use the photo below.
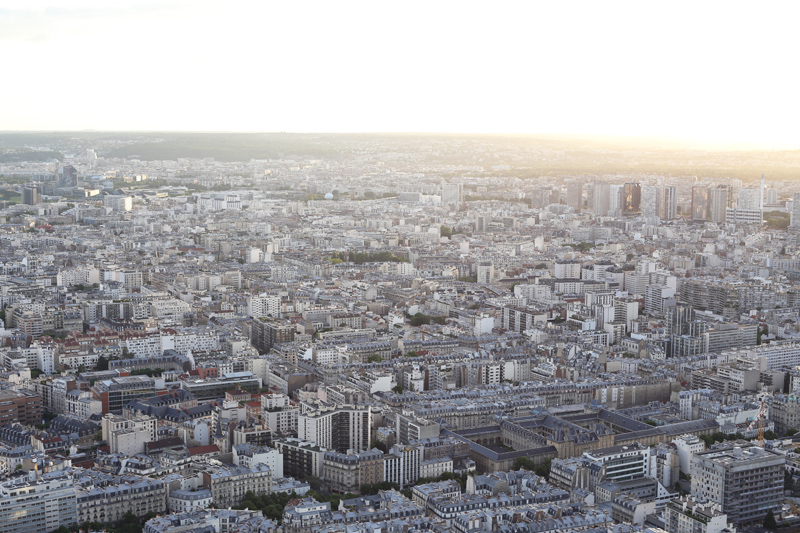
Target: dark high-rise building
(31, 195)
(679, 319)
(701, 203)
(67, 176)
(481, 223)
(631, 199)
(266, 333)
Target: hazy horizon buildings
(631, 200)
(574, 197)
(453, 193)
(670, 203)
(794, 220)
(614, 200)
(67, 176)
(719, 204)
(771, 196)
(701, 203)
(601, 197)
(540, 197)
(652, 201)
(748, 199)
(481, 223)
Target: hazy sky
(712, 71)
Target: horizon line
(684, 142)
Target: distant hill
(224, 147)
(11, 157)
(521, 156)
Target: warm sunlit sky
(721, 72)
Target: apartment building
(107, 498)
(687, 515)
(301, 458)
(20, 406)
(342, 428)
(116, 393)
(129, 435)
(228, 484)
(37, 504)
(746, 481)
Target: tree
(314, 482)
(398, 389)
(374, 358)
(524, 463)
(770, 435)
(379, 445)
(770, 522)
(543, 470)
(790, 432)
(719, 436)
(130, 524)
(707, 439)
(102, 363)
(419, 320)
(368, 490)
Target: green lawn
(12, 197)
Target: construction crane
(760, 417)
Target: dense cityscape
(396, 334)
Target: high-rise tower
(670, 203)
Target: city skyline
(707, 77)
(195, 323)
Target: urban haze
(436, 267)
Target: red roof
(200, 450)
